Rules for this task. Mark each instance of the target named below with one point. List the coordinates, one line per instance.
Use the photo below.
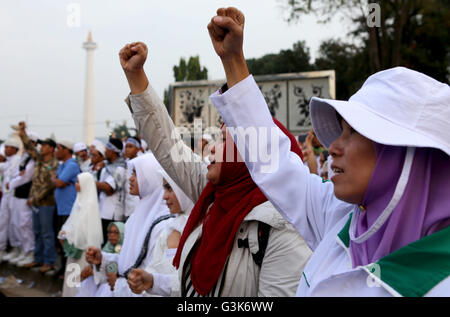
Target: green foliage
(121, 131)
(350, 63)
(411, 33)
(190, 70)
(292, 60)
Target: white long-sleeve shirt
(309, 204)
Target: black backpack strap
(263, 239)
(144, 248)
(24, 163)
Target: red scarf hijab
(232, 199)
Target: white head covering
(99, 146)
(78, 147)
(66, 143)
(14, 142)
(185, 202)
(84, 227)
(2, 150)
(149, 208)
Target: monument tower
(88, 123)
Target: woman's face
(171, 199)
(134, 187)
(216, 157)
(354, 159)
(113, 235)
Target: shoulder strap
(144, 248)
(263, 239)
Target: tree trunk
(401, 16)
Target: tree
(411, 33)
(292, 60)
(349, 62)
(191, 70)
(121, 131)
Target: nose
(335, 148)
(166, 196)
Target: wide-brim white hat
(397, 106)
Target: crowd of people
(356, 207)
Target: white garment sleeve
(300, 197)
(162, 285)
(19, 180)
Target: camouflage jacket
(42, 191)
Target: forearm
(235, 69)
(104, 187)
(156, 127)
(137, 81)
(28, 146)
(312, 162)
(60, 183)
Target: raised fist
(93, 255)
(227, 31)
(132, 56)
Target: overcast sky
(43, 64)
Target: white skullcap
(78, 147)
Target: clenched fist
(227, 32)
(94, 256)
(139, 280)
(132, 56)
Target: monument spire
(88, 122)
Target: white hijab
(185, 202)
(149, 208)
(83, 227)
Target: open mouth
(337, 170)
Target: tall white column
(88, 123)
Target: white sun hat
(397, 106)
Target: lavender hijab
(424, 206)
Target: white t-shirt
(112, 207)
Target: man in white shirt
(12, 162)
(81, 153)
(111, 185)
(22, 217)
